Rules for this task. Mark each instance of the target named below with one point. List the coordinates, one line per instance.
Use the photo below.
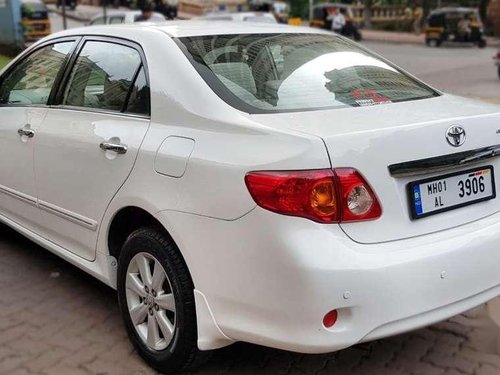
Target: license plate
(439, 194)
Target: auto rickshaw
(320, 19)
(459, 25)
(35, 20)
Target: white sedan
(262, 183)
(259, 17)
(117, 17)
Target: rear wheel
(481, 43)
(155, 292)
(433, 42)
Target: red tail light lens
(326, 196)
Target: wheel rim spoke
(135, 285)
(150, 301)
(166, 302)
(144, 270)
(166, 327)
(153, 332)
(138, 314)
(158, 277)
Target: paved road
(56, 320)
(464, 71)
(56, 22)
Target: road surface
(464, 71)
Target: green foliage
(4, 60)
(300, 8)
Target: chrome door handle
(118, 148)
(26, 132)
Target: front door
(88, 142)
(24, 94)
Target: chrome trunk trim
(443, 162)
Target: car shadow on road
(56, 300)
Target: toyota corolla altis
(260, 183)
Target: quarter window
(98, 21)
(102, 76)
(31, 81)
(116, 20)
(139, 97)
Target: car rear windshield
(265, 73)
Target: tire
(172, 301)
(433, 42)
(481, 43)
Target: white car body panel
(262, 277)
(18, 197)
(68, 153)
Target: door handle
(115, 147)
(26, 132)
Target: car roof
(454, 10)
(332, 5)
(190, 28)
(115, 12)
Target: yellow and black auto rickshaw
(35, 20)
(322, 12)
(459, 25)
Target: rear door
(88, 143)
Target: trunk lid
(371, 139)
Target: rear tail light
(326, 196)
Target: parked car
(260, 17)
(35, 20)
(70, 4)
(262, 183)
(118, 17)
(279, 9)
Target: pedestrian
(147, 13)
(418, 14)
(338, 20)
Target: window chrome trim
(439, 163)
(100, 111)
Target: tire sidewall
(171, 356)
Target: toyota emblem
(455, 135)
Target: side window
(98, 21)
(31, 81)
(102, 76)
(139, 97)
(116, 19)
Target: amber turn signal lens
(322, 198)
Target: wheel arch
(125, 221)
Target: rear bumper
(270, 279)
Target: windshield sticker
(367, 97)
